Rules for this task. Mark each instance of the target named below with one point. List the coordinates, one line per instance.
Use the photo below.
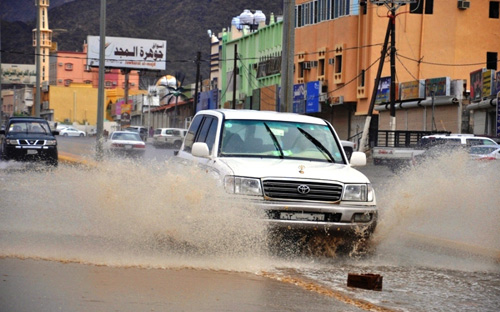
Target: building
(338, 44)
(250, 56)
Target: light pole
(433, 94)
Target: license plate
(31, 152)
(128, 146)
(300, 216)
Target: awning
(441, 100)
(488, 103)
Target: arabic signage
(476, 85)
(299, 93)
(412, 90)
(440, 86)
(128, 53)
(312, 103)
(488, 85)
(383, 90)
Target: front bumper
(30, 153)
(335, 219)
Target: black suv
(29, 139)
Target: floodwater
(437, 244)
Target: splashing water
(446, 203)
(124, 213)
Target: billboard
(412, 90)
(383, 90)
(299, 98)
(312, 103)
(476, 85)
(128, 53)
(441, 86)
(488, 83)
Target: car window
(193, 129)
(29, 127)
(208, 132)
(257, 138)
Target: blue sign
(383, 90)
(312, 103)
(207, 100)
(299, 104)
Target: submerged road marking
(322, 290)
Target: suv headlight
(51, 142)
(11, 142)
(242, 185)
(358, 192)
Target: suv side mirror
(200, 149)
(358, 159)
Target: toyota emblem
(303, 189)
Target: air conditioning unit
(462, 4)
(331, 61)
(306, 65)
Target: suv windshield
(278, 139)
(29, 127)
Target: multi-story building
(438, 44)
(251, 58)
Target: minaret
(46, 42)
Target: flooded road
(437, 244)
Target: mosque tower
(45, 42)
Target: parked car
(290, 165)
(349, 147)
(124, 143)
(142, 131)
(465, 140)
(485, 152)
(164, 137)
(70, 131)
(29, 139)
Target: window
(67, 82)
(68, 66)
(189, 140)
(494, 9)
(491, 60)
(422, 6)
(208, 132)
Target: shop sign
(440, 86)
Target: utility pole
(392, 5)
(100, 92)
(235, 73)
(383, 53)
(287, 53)
(195, 100)
(392, 18)
(38, 65)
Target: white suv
(292, 166)
(465, 140)
(164, 137)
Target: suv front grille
(31, 142)
(302, 190)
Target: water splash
(445, 208)
(121, 212)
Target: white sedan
(70, 131)
(125, 143)
(485, 152)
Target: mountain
(23, 10)
(182, 23)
